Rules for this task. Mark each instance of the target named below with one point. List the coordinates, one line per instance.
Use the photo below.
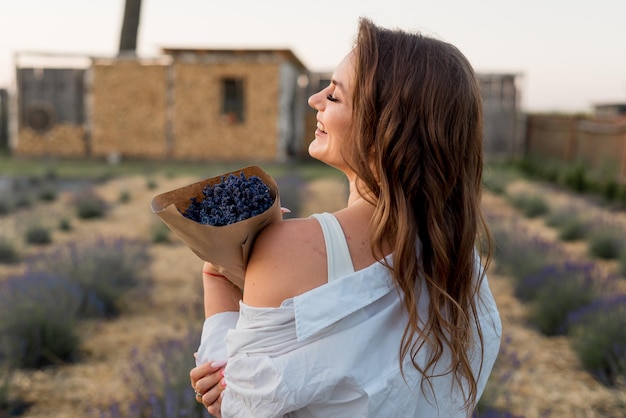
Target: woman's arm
(207, 378)
(221, 311)
(220, 295)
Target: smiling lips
(320, 127)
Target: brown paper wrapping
(226, 247)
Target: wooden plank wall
(598, 143)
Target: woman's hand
(207, 380)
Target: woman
(382, 308)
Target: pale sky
(571, 54)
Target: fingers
(210, 386)
(284, 210)
(213, 397)
(207, 380)
(207, 375)
(215, 409)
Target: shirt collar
(327, 304)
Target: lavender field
(129, 344)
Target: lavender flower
(233, 199)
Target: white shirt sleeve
(271, 374)
(260, 349)
(213, 340)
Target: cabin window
(232, 100)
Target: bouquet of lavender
(234, 199)
(218, 218)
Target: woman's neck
(355, 196)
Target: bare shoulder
(288, 258)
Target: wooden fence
(598, 143)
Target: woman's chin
(314, 150)
(321, 152)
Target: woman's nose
(314, 100)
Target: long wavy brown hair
(416, 147)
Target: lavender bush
(161, 377)
(8, 251)
(23, 201)
(561, 215)
(151, 183)
(606, 238)
(160, 233)
(606, 243)
(569, 223)
(124, 196)
(532, 206)
(89, 205)
(38, 319)
(6, 207)
(64, 224)
(507, 363)
(573, 229)
(48, 194)
(495, 184)
(38, 235)
(557, 290)
(518, 253)
(599, 338)
(104, 270)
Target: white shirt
(334, 351)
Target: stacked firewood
(127, 109)
(62, 140)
